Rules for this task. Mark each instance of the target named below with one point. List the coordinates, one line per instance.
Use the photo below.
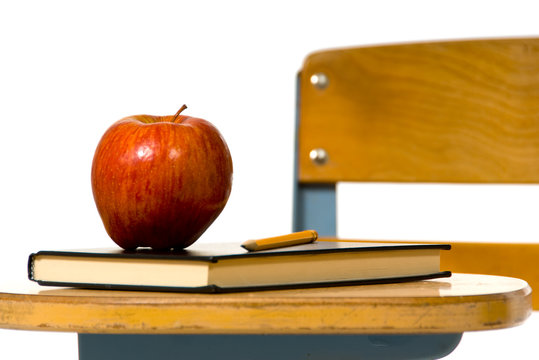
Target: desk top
(461, 303)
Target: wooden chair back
(442, 112)
(463, 111)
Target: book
(227, 267)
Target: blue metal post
(265, 347)
(314, 204)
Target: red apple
(160, 181)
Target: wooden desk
(411, 320)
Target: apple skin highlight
(160, 181)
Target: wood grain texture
(518, 260)
(507, 259)
(464, 111)
(452, 305)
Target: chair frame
(314, 199)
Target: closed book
(226, 267)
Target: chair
(438, 112)
(378, 100)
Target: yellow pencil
(297, 238)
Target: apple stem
(179, 112)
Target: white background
(69, 69)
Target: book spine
(31, 267)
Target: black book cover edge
(217, 289)
(191, 254)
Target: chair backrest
(452, 112)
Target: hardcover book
(225, 267)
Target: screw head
(320, 80)
(318, 156)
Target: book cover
(226, 267)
